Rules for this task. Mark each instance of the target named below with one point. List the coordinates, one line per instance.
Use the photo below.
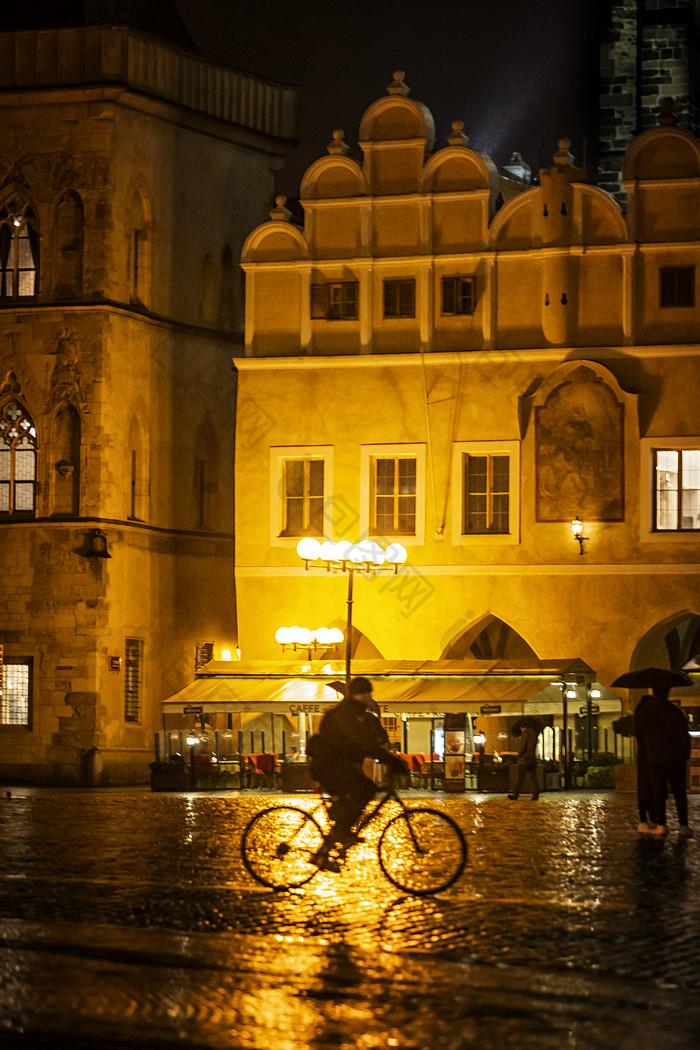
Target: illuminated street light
(577, 529)
(302, 638)
(365, 557)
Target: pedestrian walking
(527, 761)
(663, 742)
(646, 825)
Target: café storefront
(454, 714)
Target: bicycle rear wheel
(422, 851)
(278, 844)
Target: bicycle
(420, 850)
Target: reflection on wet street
(127, 919)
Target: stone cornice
(109, 55)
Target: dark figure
(348, 735)
(664, 744)
(646, 824)
(527, 761)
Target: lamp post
(365, 557)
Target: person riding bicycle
(348, 734)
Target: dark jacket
(527, 746)
(348, 734)
(662, 732)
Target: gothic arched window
(17, 460)
(19, 250)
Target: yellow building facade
(427, 364)
(131, 172)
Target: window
(400, 298)
(334, 302)
(486, 494)
(458, 295)
(203, 653)
(133, 659)
(394, 496)
(677, 285)
(303, 497)
(15, 701)
(17, 460)
(19, 250)
(677, 490)
(137, 473)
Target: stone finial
(397, 87)
(563, 158)
(280, 213)
(457, 136)
(338, 146)
(10, 385)
(667, 117)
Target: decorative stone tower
(131, 171)
(650, 52)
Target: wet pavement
(127, 919)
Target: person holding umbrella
(527, 761)
(663, 743)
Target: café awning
(429, 688)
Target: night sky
(519, 74)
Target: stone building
(468, 380)
(650, 51)
(131, 171)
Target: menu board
(455, 744)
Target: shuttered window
(677, 285)
(133, 660)
(400, 298)
(336, 301)
(458, 295)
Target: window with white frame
(16, 698)
(302, 481)
(485, 493)
(133, 675)
(301, 484)
(394, 491)
(676, 490)
(17, 460)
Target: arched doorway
(489, 638)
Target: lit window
(133, 659)
(677, 285)
(400, 298)
(486, 488)
(17, 460)
(19, 250)
(334, 302)
(677, 490)
(458, 295)
(15, 701)
(394, 496)
(303, 497)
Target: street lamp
(364, 557)
(302, 638)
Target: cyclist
(348, 734)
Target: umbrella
(652, 678)
(535, 721)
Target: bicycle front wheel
(422, 851)
(278, 844)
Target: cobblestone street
(127, 919)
